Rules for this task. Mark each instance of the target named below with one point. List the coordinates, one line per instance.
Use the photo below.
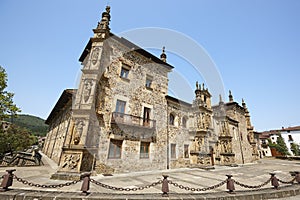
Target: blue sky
(254, 44)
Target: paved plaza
(189, 178)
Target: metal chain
(253, 186)
(125, 189)
(287, 182)
(25, 182)
(197, 189)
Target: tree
(15, 139)
(7, 106)
(295, 149)
(280, 146)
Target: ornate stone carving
(134, 58)
(70, 161)
(88, 84)
(95, 55)
(78, 131)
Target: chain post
(274, 181)
(165, 186)
(7, 180)
(297, 177)
(85, 177)
(230, 184)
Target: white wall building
(291, 135)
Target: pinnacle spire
(230, 96)
(220, 99)
(163, 55)
(102, 30)
(244, 104)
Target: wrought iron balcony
(125, 119)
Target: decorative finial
(163, 55)
(230, 96)
(244, 104)
(107, 9)
(197, 85)
(103, 25)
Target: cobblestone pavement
(249, 174)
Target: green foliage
(7, 106)
(15, 139)
(295, 149)
(280, 146)
(35, 124)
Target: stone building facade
(121, 118)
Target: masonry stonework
(120, 119)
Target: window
(171, 119)
(144, 150)
(149, 80)
(290, 138)
(173, 151)
(146, 117)
(124, 72)
(115, 149)
(184, 120)
(186, 151)
(120, 108)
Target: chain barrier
(196, 189)
(125, 189)
(287, 182)
(193, 189)
(25, 182)
(253, 186)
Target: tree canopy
(280, 146)
(15, 139)
(7, 106)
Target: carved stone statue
(87, 90)
(95, 55)
(78, 131)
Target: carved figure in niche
(207, 121)
(197, 144)
(95, 55)
(78, 131)
(224, 146)
(203, 120)
(87, 89)
(71, 161)
(224, 128)
(199, 121)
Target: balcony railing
(121, 118)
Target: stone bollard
(85, 177)
(165, 186)
(274, 181)
(230, 184)
(297, 177)
(7, 179)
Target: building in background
(290, 135)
